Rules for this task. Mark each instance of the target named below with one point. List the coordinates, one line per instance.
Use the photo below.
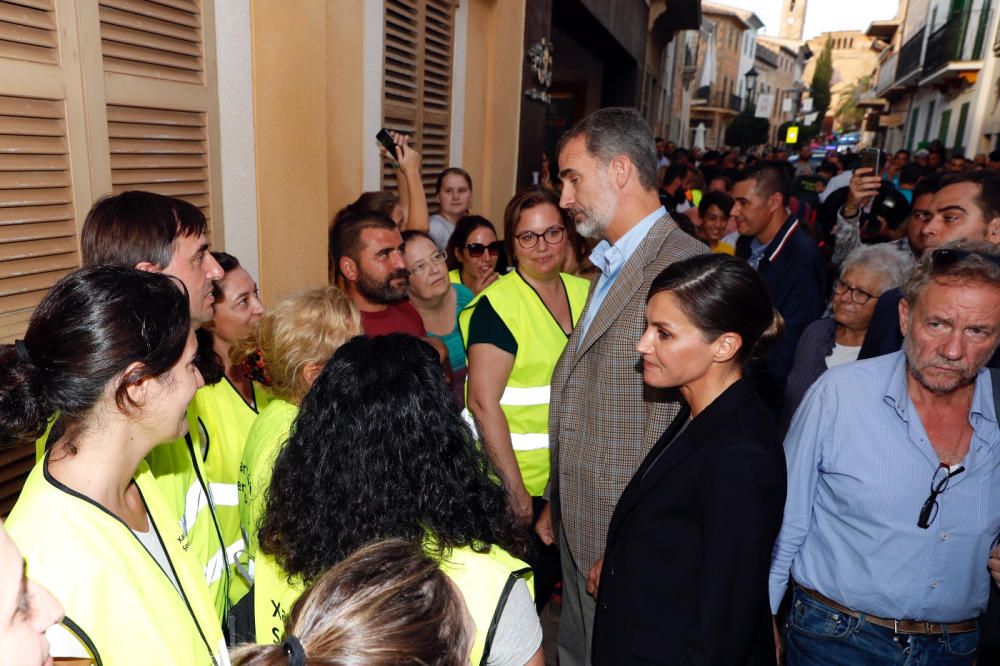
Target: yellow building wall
(308, 77)
(493, 103)
(290, 127)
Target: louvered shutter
(155, 147)
(28, 31)
(38, 242)
(159, 39)
(94, 98)
(37, 232)
(419, 44)
(160, 151)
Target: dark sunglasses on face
(476, 250)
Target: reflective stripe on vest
(529, 441)
(540, 342)
(514, 396)
(224, 494)
(119, 598)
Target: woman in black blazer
(684, 576)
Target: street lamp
(751, 78)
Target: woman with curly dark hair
(380, 450)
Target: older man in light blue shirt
(894, 483)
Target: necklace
(949, 459)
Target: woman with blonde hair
(387, 604)
(286, 350)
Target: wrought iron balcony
(960, 39)
(717, 99)
(909, 56)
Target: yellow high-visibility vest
(226, 419)
(265, 440)
(540, 343)
(180, 474)
(119, 602)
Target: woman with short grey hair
(867, 272)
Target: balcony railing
(960, 39)
(886, 74)
(718, 99)
(909, 55)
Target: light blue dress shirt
(609, 259)
(860, 466)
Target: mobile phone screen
(386, 140)
(871, 159)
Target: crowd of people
(725, 408)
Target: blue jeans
(819, 635)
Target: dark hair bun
(24, 412)
(770, 336)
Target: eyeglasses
(859, 296)
(552, 235)
(476, 250)
(435, 259)
(939, 484)
(945, 257)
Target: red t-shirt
(399, 318)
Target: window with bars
(94, 98)
(416, 93)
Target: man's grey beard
(965, 377)
(588, 227)
(592, 223)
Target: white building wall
(236, 133)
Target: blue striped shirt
(859, 469)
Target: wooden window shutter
(38, 242)
(95, 97)
(28, 31)
(159, 143)
(419, 52)
(159, 151)
(159, 39)
(37, 231)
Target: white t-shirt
(440, 229)
(519, 632)
(842, 354)
(151, 541)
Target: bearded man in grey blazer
(602, 419)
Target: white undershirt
(151, 541)
(842, 354)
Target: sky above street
(822, 15)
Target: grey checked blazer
(602, 419)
